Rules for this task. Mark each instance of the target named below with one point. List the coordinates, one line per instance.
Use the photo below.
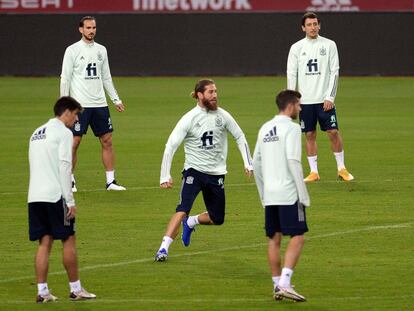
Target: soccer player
(313, 68)
(85, 75)
(279, 179)
(51, 204)
(204, 132)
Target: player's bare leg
(75, 147)
(336, 140)
(42, 268)
(108, 160)
(70, 258)
(170, 234)
(273, 254)
(338, 150)
(292, 254)
(108, 156)
(312, 154)
(42, 258)
(174, 224)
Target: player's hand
(71, 212)
(248, 172)
(328, 105)
(167, 184)
(120, 107)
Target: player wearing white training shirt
(85, 76)
(279, 180)
(313, 69)
(51, 204)
(204, 132)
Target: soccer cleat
(161, 255)
(114, 186)
(276, 295)
(313, 176)
(74, 189)
(46, 298)
(345, 175)
(81, 295)
(186, 235)
(288, 293)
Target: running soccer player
(204, 132)
(279, 179)
(51, 204)
(85, 75)
(313, 68)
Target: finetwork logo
(332, 5)
(190, 5)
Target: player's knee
(311, 135)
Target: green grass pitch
(359, 253)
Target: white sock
(285, 277)
(42, 289)
(110, 176)
(166, 242)
(313, 163)
(73, 178)
(75, 286)
(192, 221)
(340, 162)
(275, 280)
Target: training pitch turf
(359, 253)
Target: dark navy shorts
(46, 218)
(212, 187)
(98, 118)
(311, 114)
(287, 219)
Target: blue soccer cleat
(161, 255)
(186, 235)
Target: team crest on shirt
(100, 57)
(322, 51)
(77, 127)
(219, 121)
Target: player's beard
(89, 38)
(210, 104)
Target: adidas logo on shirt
(271, 136)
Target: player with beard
(85, 76)
(204, 132)
(279, 179)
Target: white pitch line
(142, 260)
(227, 185)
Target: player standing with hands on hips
(85, 75)
(313, 68)
(279, 179)
(51, 205)
(204, 132)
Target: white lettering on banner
(332, 5)
(186, 5)
(33, 4)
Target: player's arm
(257, 166)
(293, 155)
(67, 71)
(241, 141)
(333, 77)
(174, 141)
(292, 68)
(109, 85)
(65, 171)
